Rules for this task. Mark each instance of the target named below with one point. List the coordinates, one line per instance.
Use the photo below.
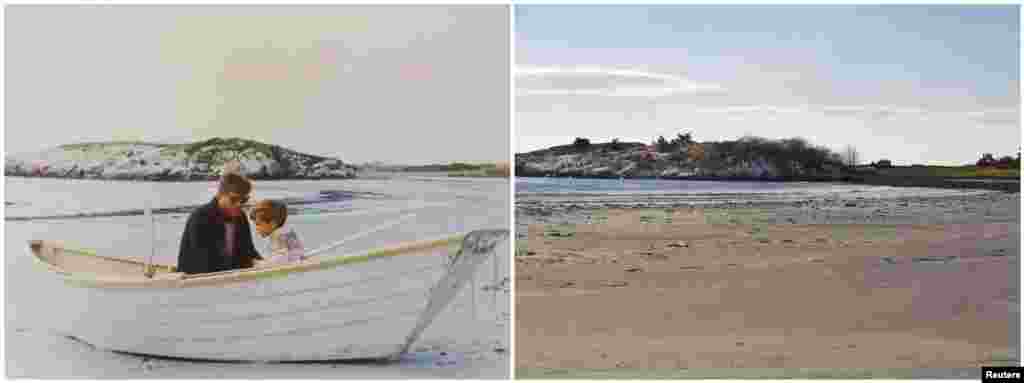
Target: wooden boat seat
(65, 260)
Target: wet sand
(907, 284)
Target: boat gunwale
(180, 280)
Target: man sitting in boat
(268, 217)
(217, 235)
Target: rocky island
(751, 158)
(201, 160)
(681, 157)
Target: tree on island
(679, 143)
(616, 145)
(851, 156)
(883, 163)
(1004, 162)
(661, 145)
(581, 143)
(987, 159)
(683, 140)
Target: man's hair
(234, 183)
(270, 211)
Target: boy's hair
(235, 183)
(270, 211)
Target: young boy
(268, 217)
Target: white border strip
(512, 191)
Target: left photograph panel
(238, 192)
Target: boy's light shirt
(284, 246)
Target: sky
(914, 84)
(398, 84)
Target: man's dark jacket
(202, 244)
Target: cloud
(871, 112)
(605, 82)
(747, 110)
(996, 116)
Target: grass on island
(480, 170)
(462, 169)
(521, 247)
(752, 373)
(656, 216)
(559, 231)
(950, 171)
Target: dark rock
(934, 259)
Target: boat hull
(372, 309)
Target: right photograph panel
(767, 191)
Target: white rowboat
(368, 306)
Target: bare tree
(851, 156)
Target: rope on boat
(149, 270)
(336, 244)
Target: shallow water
(466, 341)
(708, 191)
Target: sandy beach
(929, 284)
(468, 340)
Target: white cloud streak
(604, 82)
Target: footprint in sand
(559, 284)
(651, 256)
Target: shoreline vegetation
(454, 169)
(754, 159)
(197, 161)
(204, 160)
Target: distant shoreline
(183, 180)
(1011, 185)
